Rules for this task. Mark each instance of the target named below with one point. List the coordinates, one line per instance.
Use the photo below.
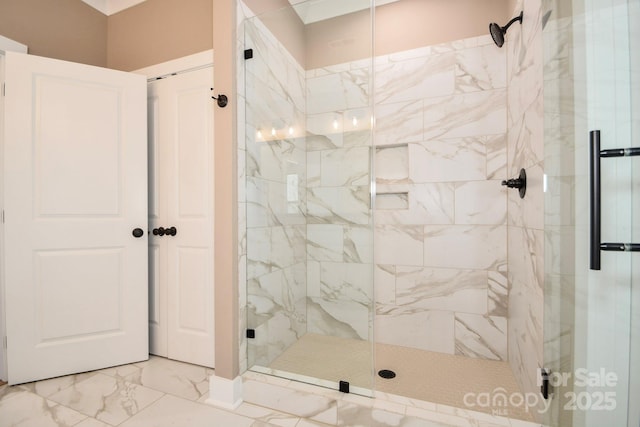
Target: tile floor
(163, 393)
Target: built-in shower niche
(392, 177)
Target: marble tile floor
(162, 393)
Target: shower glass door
(309, 242)
(592, 316)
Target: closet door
(75, 211)
(183, 245)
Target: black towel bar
(595, 206)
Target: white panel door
(75, 163)
(183, 288)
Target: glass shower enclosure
(309, 227)
(592, 284)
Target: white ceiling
(109, 7)
(319, 10)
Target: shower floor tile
(428, 376)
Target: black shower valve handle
(513, 183)
(520, 183)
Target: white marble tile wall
(526, 222)
(339, 236)
(441, 149)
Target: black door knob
(159, 231)
(171, 231)
(137, 232)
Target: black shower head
(498, 32)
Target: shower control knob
(520, 183)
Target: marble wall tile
(325, 242)
(481, 203)
(274, 160)
(431, 203)
(496, 146)
(345, 167)
(325, 130)
(385, 284)
(409, 79)
(267, 204)
(468, 114)
(447, 160)
(480, 68)
(481, 336)
(338, 205)
(399, 245)
(399, 123)
(476, 247)
(347, 282)
(430, 330)
(358, 244)
(344, 319)
(442, 289)
(498, 304)
(338, 91)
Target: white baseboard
(225, 393)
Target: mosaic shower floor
(429, 376)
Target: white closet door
(75, 190)
(184, 120)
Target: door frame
(180, 65)
(6, 45)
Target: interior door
(75, 191)
(181, 256)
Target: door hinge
(251, 333)
(4, 89)
(248, 54)
(544, 383)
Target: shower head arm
(517, 18)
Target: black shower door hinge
(248, 54)
(251, 333)
(544, 383)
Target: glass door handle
(595, 205)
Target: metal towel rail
(596, 155)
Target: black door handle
(137, 232)
(171, 231)
(159, 231)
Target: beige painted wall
(408, 24)
(402, 25)
(63, 29)
(157, 31)
(226, 195)
(284, 23)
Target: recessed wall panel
(192, 135)
(78, 293)
(77, 160)
(193, 292)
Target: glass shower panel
(592, 79)
(308, 73)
